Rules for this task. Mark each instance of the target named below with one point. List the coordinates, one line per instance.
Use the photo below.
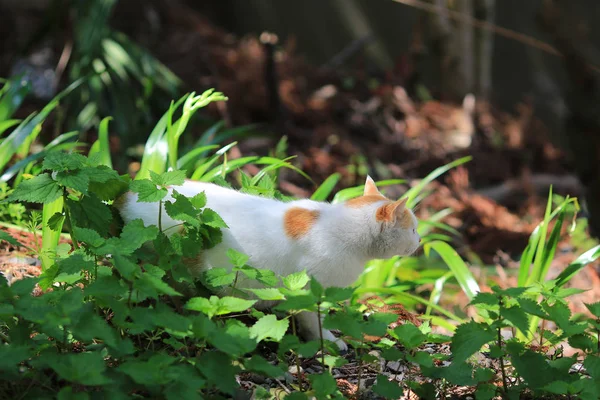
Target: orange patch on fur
(365, 201)
(297, 221)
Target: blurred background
(393, 88)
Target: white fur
(334, 251)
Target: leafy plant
(117, 319)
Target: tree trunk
(485, 10)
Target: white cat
(332, 242)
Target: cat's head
(394, 224)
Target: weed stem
(321, 334)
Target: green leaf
(594, 308)
(268, 327)
(218, 370)
(56, 221)
(8, 238)
(153, 371)
(409, 335)
(516, 316)
(211, 218)
(11, 355)
(335, 361)
(75, 263)
(304, 302)
(156, 285)
(134, 235)
(77, 180)
(40, 189)
(67, 393)
(583, 342)
(378, 323)
(264, 276)
(296, 281)
(532, 366)
(90, 212)
(236, 258)
(591, 364)
(387, 389)
(316, 289)
(199, 200)
(218, 306)
(489, 299)
(182, 209)
(147, 191)
(323, 384)
(485, 391)
(532, 307)
(258, 364)
(267, 294)
(216, 277)
(173, 178)
(83, 368)
(468, 339)
(309, 349)
(234, 339)
(348, 324)
(458, 373)
(336, 294)
(60, 161)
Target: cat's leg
(309, 327)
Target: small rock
(294, 370)
(394, 366)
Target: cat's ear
(398, 207)
(371, 188)
(391, 211)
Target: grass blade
(323, 191)
(101, 145)
(13, 142)
(156, 148)
(12, 95)
(188, 159)
(201, 170)
(413, 192)
(436, 293)
(584, 259)
(461, 272)
(50, 237)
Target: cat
(332, 242)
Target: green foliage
(118, 321)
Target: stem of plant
(321, 334)
(297, 358)
(504, 380)
(160, 216)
